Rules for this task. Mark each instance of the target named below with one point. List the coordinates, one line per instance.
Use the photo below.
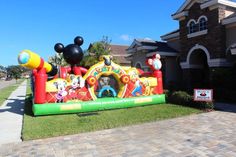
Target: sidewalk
(11, 116)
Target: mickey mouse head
(72, 53)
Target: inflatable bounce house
(105, 85)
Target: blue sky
(39, 24)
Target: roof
(119, 52)
(119, 49)
(151, 46)
(183, 10)
(163, 47)
(171, 35)
(229, 20)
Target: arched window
(202, 24)
(138, 65)
(192, 27)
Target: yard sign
(203, 95)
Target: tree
(95, 51)
(15, 71)
(3, 71)
(57, 59)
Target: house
(204, 43)
(206, 39)
(118, 52)
(141, 49)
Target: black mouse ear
(59, 48)
(78, 40)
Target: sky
(38, 25)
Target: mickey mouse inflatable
(73, 54)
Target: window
(202, 24)
(196, 28)
(192, 27)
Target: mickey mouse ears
(78, 40)
(59, 47)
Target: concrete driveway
(210, 134)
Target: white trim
(219, 62)
(185, 4)
(120, 55)
(191, 20)
(139, 64)
(214, 2)
(185, 65)
(170, 36)
(142, 66)
(229, 21)
(162, 54)
(146, 48)
(135, 42)
(233, 51)
(197, 46)
(203, 16)
(179, 15)
(231, 46)
(197, 33)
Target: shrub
(183, 98)
(180, 98)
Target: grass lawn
(6, 92)
(57, 125)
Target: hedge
(183, 98)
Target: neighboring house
(206, 39)
(119, 53)
(141, 49)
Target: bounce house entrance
(107, 86)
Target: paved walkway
(210, 134)
(11, 115)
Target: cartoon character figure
(76, 82)
(154, 63)
(107, 59)
(135, 78)
(73, 54)
(137, 88)
(148, 90)
(61, 90)
(104, 81)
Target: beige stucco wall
(230, 36)
(139, 57)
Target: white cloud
(126, 37)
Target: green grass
(6, 92)
(57, 125)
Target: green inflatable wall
(98, 105)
